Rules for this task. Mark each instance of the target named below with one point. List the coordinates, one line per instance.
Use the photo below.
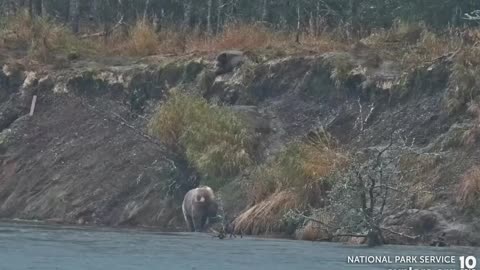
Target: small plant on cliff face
(468, 193)
(341, 65)
(302, 166)
(299, 173)
(464, 83)
(212, 138)
(471, 135)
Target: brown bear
(227, 61)
(199, 205)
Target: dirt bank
(84, 157)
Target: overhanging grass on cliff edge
(211, 137)
(297, 178)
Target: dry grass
(236, 36)
(299, 173)
(265, 217)
(42, 38)
(464, 80)
(302, 166)
(470, 136)
(412, 45)
(468, 192)
(143, 40)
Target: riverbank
(93, 153)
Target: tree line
(212, 15)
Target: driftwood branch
(381, 228)
(400, 234)
(350, 235)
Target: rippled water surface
(45, 248)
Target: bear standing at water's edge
(199, 205)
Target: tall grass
(468, 193)
(411, 44)
(41, 37)
(143, 41)
(297, 178)
(464, 79)
(266, 216)
(212, 138)
(303, 167)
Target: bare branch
(400, 234)
(475, 16)
(350, 235)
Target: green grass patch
(303, 166)
(212, 138)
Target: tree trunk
(187, 14)
(11, 8)
(264, 10)
(299, 18)
(44, 9)
(94, 12)
(30, 8)
(145, 11)
(37, 7)
(219, 15)
(317, 19)
(209, 17)
(75, 15)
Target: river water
(41, 247)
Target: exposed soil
(83, 157)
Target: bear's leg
(196, 223)
(189, 221)
(203, 221)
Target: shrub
(302, 166)
(212, 138)
(143, 40)
(471, 135)
(236, 36)
(468, 192)
(42, 37)
(464, 80)
(342, 66)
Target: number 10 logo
(467, 263)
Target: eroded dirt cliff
(84, 156)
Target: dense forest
(313, 16)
